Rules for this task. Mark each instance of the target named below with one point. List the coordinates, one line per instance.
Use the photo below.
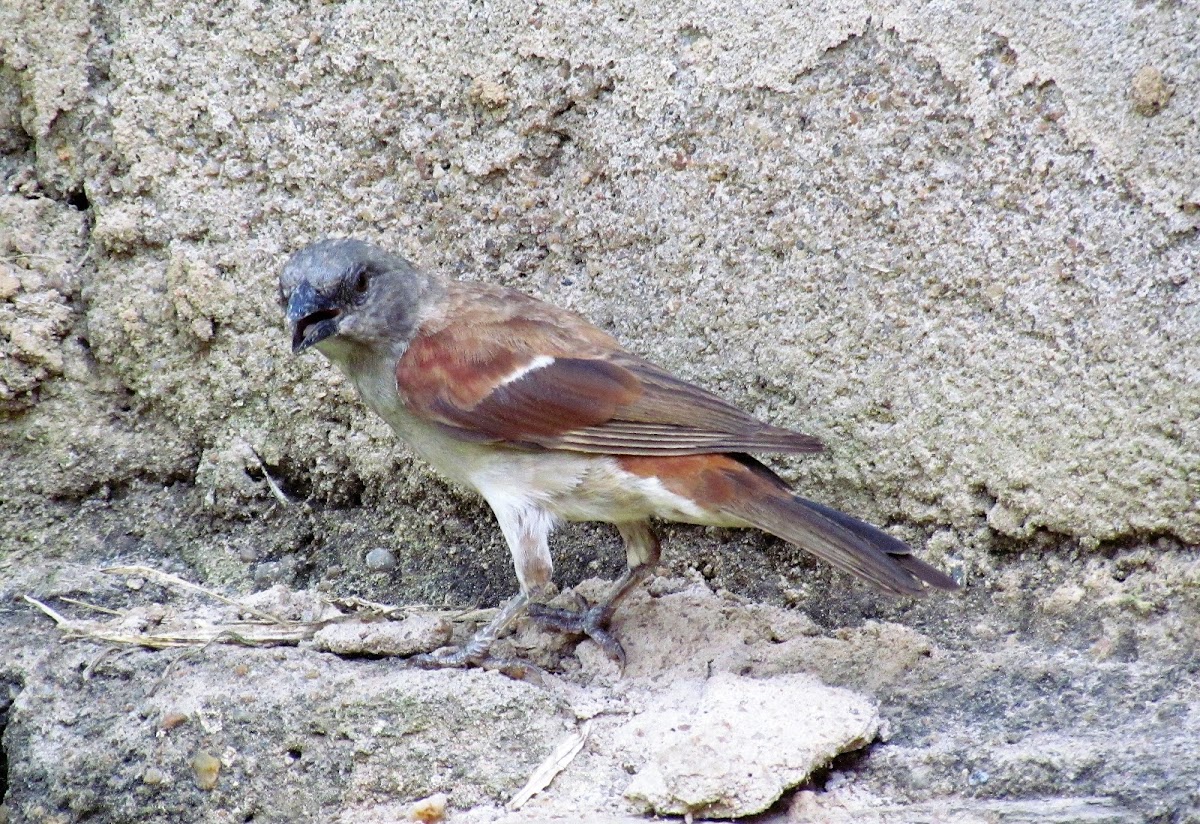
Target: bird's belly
(494, 471)
(574, 486)
(605, 492)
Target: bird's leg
(527, 530)
(642, 553)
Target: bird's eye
(362, 282)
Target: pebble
(172, 719)
(1150, 91)
(206, 768)
(429, 809)
(381, 560)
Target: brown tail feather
(852, 545)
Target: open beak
(313, 318)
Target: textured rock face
(734, 747)
(957, 243)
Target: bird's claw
(445, 658)
(462, 657)
(592, 622)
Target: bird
(551, 420)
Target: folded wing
(503, 367)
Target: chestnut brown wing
(503, 367)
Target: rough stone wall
(956, 241)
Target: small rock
(206, 768)
(380, 560)
(733, 747)
(429, 809)
(978, 777)
(202, 328)
(1007, 521)
(153, 777)
(488, 93)
(172, 720)
(416, 633)
(1150, 91)
(1190, 205)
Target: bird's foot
(478, 651)
(449, 658)
(471, 655)
(590, 621)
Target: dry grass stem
(552, 765)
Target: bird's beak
(313, 318)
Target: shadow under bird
(550, 419)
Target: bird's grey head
(342, 295)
